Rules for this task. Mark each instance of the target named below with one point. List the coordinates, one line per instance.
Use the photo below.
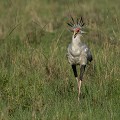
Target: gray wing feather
(89, 56)
(87, 50)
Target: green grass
(36, 80)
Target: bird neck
(76, 41)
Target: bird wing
(85, 49)
(89, 56)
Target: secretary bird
(78, 53)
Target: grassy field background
(36, 80)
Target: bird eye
(77, 30)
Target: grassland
(36, 80)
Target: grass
(36, 80)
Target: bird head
(76, 27)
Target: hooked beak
(75, 33)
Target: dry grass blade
(13, 29)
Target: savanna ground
(36, 80)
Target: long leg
(82, 70)
(75, 72)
